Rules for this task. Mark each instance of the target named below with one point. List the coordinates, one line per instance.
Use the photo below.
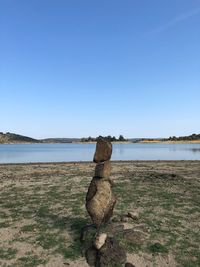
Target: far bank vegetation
(109, 138)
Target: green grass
(7, 253)
(51, 213)
(4, 224)
(71, 252)
(150, 194)
(157, 248)
(28, 228)
(49, 240)
(30, 261)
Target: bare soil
(42, 211)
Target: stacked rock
(100, 199)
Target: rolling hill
(9, 138)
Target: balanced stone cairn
(101, 245)
(100, 200)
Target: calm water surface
(23, 153)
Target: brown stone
(102, 169)
(100, 201)
(135, 236)
(133, 215)
(111, 254)
(128, 264)
(91, 256)
(100, 240)
(103, 150)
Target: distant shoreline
(170, 142)
(12, 138)
(115, 162)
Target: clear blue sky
(74, 68)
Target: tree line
(109, 138)
(190, 137)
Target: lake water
(23, 153)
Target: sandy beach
(42, 211)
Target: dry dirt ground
(42, 211)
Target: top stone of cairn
(103, 150)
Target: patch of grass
(28, 228)
(4, 224)
(11, 205)
(188, 250)
(76, 209)
(30, 261)
(43, 211)
(172, 239)
(131, 247)
(189, 259)
(60, 223)
(7, 253)
(3, 215)
(58, 242)
(48, 240)
(77, 224)
(71, 252)
(36, 189)
(158, 248)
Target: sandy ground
(42, 210)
